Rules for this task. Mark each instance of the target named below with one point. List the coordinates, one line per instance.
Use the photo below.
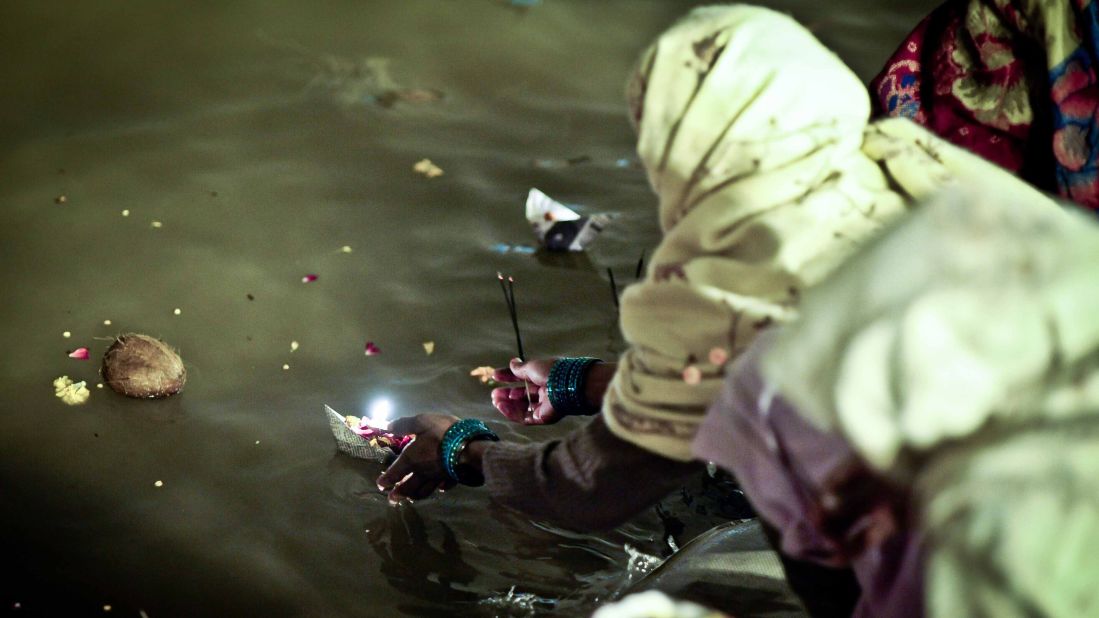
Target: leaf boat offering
(357, 438)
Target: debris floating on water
(293, 346)
(550, 164)
(504, 248)
(560, 228)
(310, 278)
(157, 224)
(60, 199)
(372, 349)
(66, 334)
(427, 168)
(158, 484)
(143, 367)
(79, 354)
(286, 367)
(126, 212)
(345, 249)
(106, 322)
(177, 311)
(483, 373)
(72, 393)
(409, 95)
(429, 347)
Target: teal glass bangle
(565, 386)
(456, 437)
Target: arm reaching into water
(581, 481)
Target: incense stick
(509, 298)
(515, 318)
(614, 287)
(640, 265)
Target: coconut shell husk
(144, 367)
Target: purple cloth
(810, 486)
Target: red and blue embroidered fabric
(1011, 80)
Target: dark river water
(249, 145)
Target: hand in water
(418, 471)
(528, 403)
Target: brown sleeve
(589, 480)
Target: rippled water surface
(257, 136)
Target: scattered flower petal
(156, 484)
(718, 356)
(257, 441)
(106, 608)
(106, 322)
(72, 393)
(310, 278)
(66, 334)
(79, 354)
(692, 375)
(483, 373)
(345, 249)
(126, 212)
(177, 311)
(60, 199)
(371, 349)
(100, 385)
(429, 347)
(427, 168)
(157, 224)
(293, 346)
(286, 367)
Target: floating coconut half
(141, 366)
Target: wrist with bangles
(454, 442)
(565, 387)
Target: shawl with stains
(765, 186)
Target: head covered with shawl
(959, 357)
(755, 138)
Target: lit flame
(380, 410)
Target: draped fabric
(958, 358)
(932, 417)
(764, 188)
(1012, 80)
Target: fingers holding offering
(418, 470)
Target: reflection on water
(264, 137)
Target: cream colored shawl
(755, 139)
(959, 355)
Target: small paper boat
(380, 448)
(560, 228)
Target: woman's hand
(513, 402)
(418, 470)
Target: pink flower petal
(718, 356)
(372, 349)
(310, 278)
(79, 354)
(692, 375)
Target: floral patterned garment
(1011, 80)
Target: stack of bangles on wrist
(455, 439)
(565, 386)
